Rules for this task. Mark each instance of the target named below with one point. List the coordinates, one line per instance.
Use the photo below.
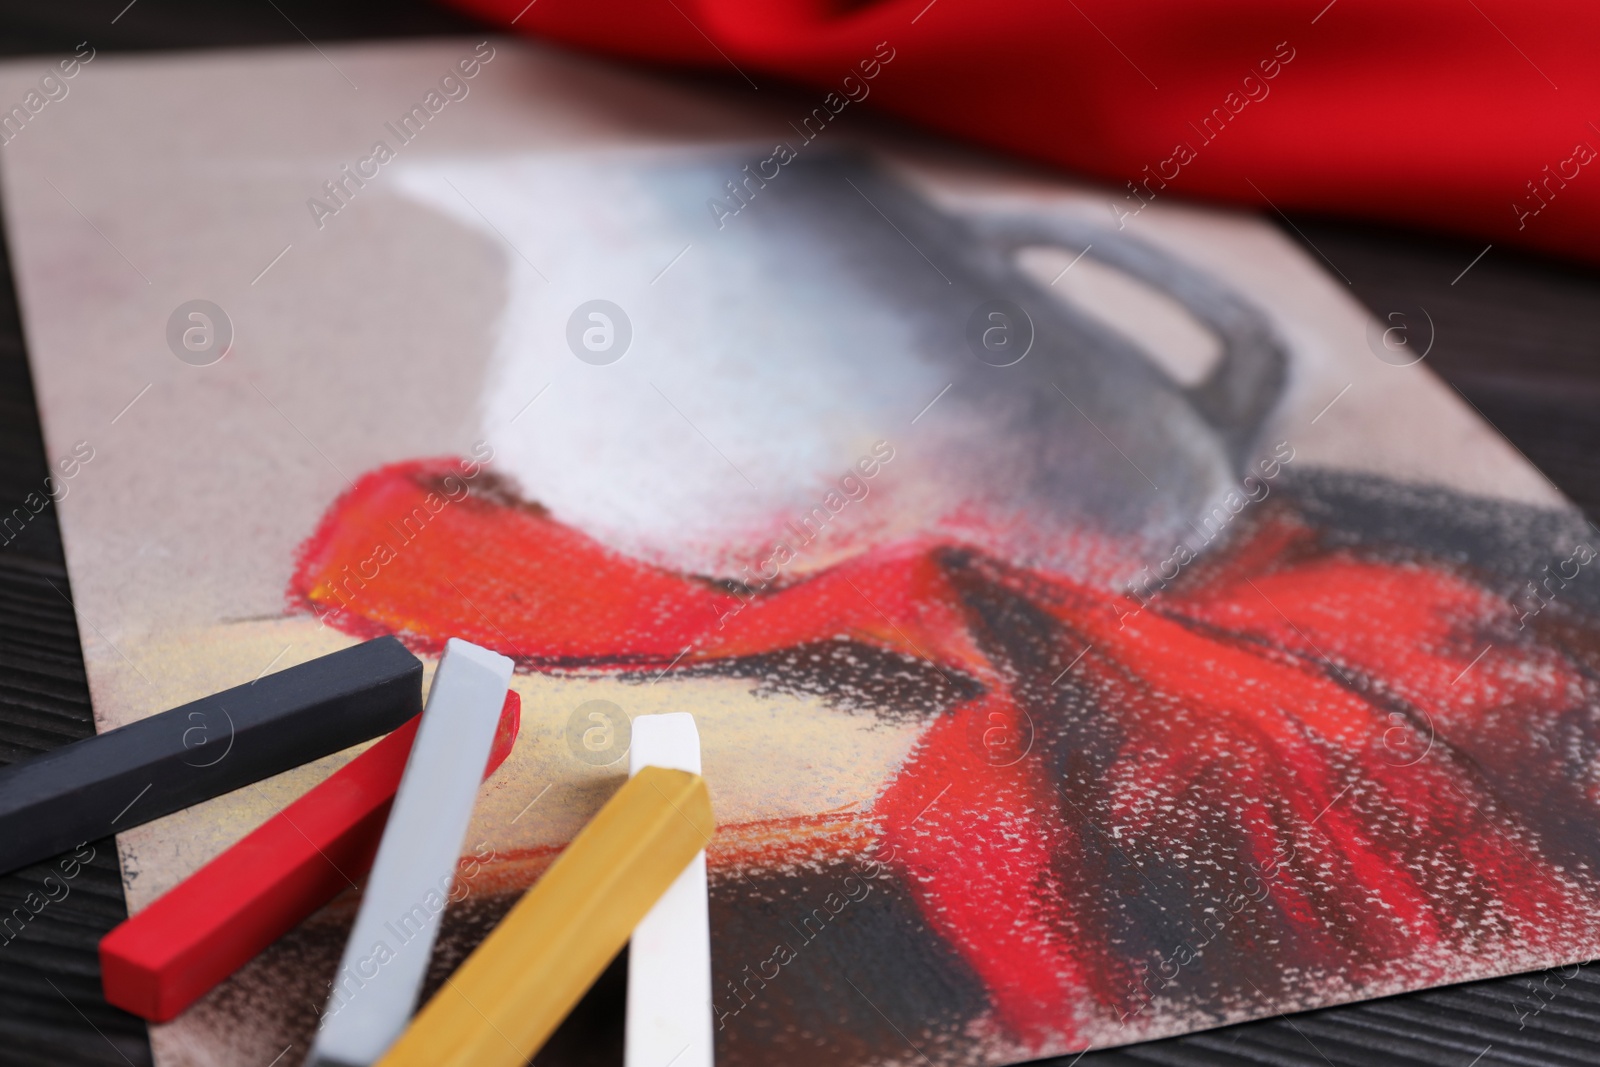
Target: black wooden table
(1518, 336)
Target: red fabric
(1328, 727)
(1438, 114)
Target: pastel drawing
(1202, 732)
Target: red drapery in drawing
(1298, 730)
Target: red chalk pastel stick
(173, 952)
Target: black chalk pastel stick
(155, 766)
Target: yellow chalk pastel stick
(504, 1002)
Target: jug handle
(1247, 381)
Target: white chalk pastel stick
(385, 959)
(669, 958)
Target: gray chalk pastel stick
(153, 767)
(380, 976)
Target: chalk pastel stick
(669, 956)
(218, 919)
(501, 1005)
(380, 976)
(214, 745)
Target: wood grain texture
(51, 1008)
(1515, 335)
